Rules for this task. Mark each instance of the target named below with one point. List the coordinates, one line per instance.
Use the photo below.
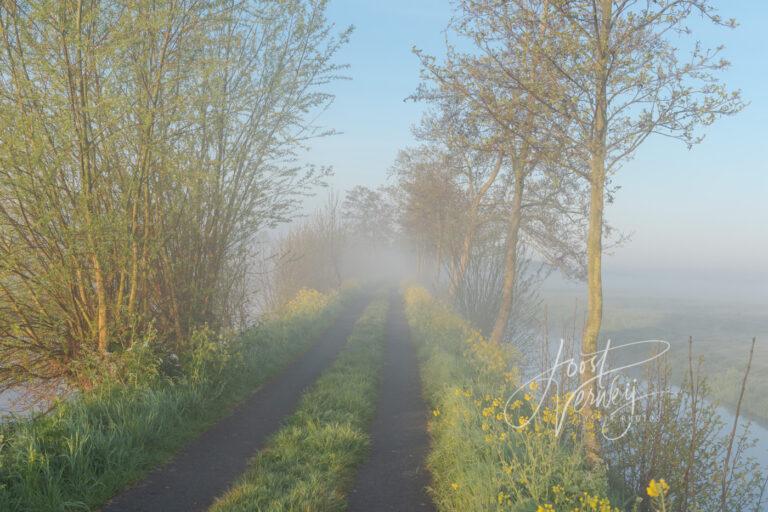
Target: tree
(611, 76)
(369, 215)
(143, 146)
(431, 206)
(477, 161)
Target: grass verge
(89, 447)
(310, 462)
(477, 460)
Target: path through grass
(311, 461)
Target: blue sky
(704, 212)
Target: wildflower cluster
(307, 302)
(585, 503)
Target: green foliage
(143, 147)
(310, 462)
(93, 444)
(478, 462)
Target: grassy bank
(311, 461)
(477, 460)
(89, 447)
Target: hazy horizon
(689, 213)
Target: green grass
(477, 461)
(89, 447)
(311, 461)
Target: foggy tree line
(144, 146)
(533, 109)
(563, 92)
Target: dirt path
(394, 477)
(206, 467)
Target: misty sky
(700, 214)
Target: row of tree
(535, 106)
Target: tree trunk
(457, 279)
(473, 224)
(510, 259)
(594, 295)
(595, 233)
(101, 298)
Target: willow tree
(612, 74)
(143, 144)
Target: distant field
(722, 331)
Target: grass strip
(89, 447)
(310, 462)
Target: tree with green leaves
(143, 146)
(611, 73)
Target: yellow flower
(533, 385)
(527, 397)
(436, 413)
(455, 486)
(656, 489)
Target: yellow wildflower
(656, 489)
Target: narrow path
(394, 477)
(206, 467)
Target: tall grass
(310, 462)
(90, 446)
(478, 462)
